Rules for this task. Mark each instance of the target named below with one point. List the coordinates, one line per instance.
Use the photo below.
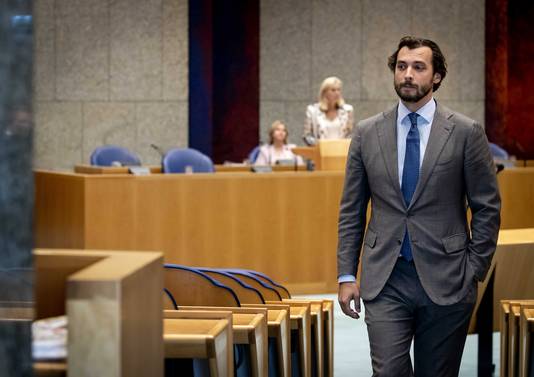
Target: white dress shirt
(424, 124)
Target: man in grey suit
(421, 165)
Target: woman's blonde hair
(330, 82)
(275, 124)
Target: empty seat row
(300, 331)
(175, 160)
(517, 348)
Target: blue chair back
(107, 155)
(498, 152)
(177, 159)
(253, 155)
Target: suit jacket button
(399, 241)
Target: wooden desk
(526, 351)
(524, 163)
(266, 222)
(201, 338)
(512, 268)
(327, 155)
(50, 369)
(247, 168)
(316, 315)
(517, 194)
(110, 333)
(251, 329)
(282, 224)
(301, 322)
(277, 325)
(279, 329)
(509, 278)
(91, 169)
(323, 326)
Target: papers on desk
(261, 168)
(139, 170)
(49, 338)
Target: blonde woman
(277, 150)
(331, 117)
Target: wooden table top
(184, 329)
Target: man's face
(414, 75)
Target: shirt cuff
(346, 279)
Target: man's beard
(420, 91)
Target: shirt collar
(426, 112)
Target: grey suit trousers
(403, 312)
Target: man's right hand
(349, 292)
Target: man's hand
(349, 292)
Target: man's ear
(437, 78)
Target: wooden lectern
(326, 154)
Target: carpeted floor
(351, 347)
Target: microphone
(499, 167)
(157, 149)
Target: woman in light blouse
(331, 117)
(277, 150)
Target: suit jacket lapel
(387, 137)
(439, 134)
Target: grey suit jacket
(457, 171)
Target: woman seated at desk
(331, 117)
(277, 151)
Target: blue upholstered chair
(109, 155)
(177, 160)
(498, 152)
(253, 155)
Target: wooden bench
(191, 288)
(327, 331)
(249, 328)
(275, 294)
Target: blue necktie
(410, 176)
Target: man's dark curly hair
(439, 65)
